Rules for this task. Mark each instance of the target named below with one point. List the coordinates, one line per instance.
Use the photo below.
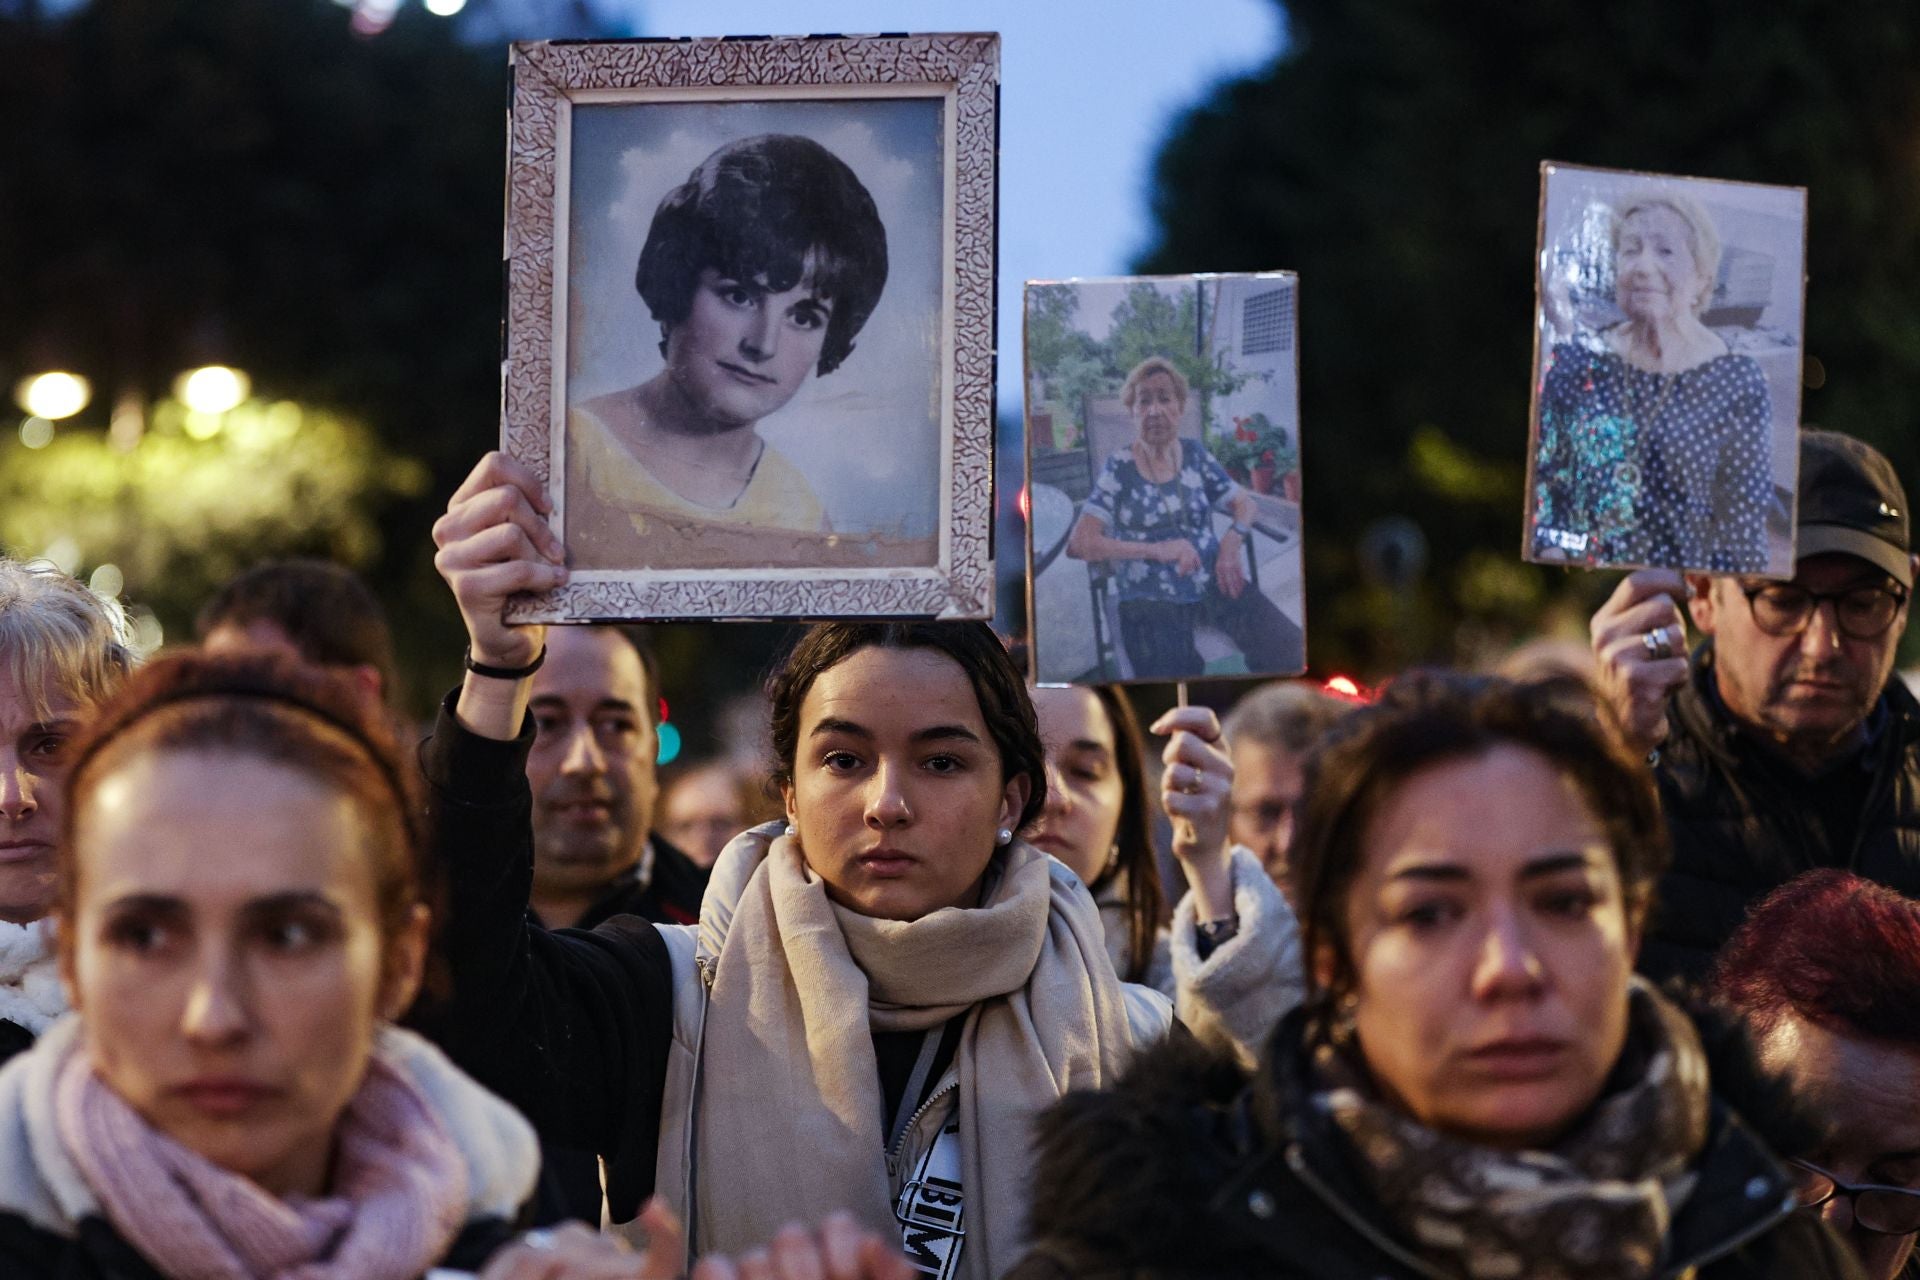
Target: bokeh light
(213, 388)
(445, 8)
(201, 425)
(36, 433)
(669, 745)
(148, 634)
(53, 395)
(63, 553)
(108, 581)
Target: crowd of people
(1595, 970)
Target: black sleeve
(570, 1026)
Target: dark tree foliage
(198, 179)
(1391, 156)
(250, 182)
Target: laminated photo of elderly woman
(1164, 481)
(1668, 372)
(752, 354)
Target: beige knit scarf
(789, 1123)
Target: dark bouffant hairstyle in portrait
(773, 208)
(1427, 718)
(272, 708)
(997, 686)
(1839, 951)
(326, 610)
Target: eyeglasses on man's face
(1889, 1211)
(1862, 613)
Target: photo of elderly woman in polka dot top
(1653, 433)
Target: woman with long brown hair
(1231, 979)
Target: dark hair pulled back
(997, 687)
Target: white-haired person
(62, 650)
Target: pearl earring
(1005, 836)
(792, 830)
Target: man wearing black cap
(1786, 743)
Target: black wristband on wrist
(1210, 935)
(1215, 932)
(504, 673)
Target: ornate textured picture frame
(749, 338)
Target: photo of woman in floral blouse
(1150, 517)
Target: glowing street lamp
(212, 389)
(53, 396)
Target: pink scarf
(399, 1189)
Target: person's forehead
(1835, 570)
(1260, 763)
(1438, 813)
(811, 285)
(585, 666)
(255, 634)
(1071, 715)
(219, 829)
(1656, 217)
(703, 793)
(894, 690)
(1866, 1090)
(29, 699)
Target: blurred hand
(1182, 555)
(1229, 567)
(576, 1252)
(1631, 679)
(840, 1250)
(1196, 789)
(494, 543)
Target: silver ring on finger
(1657, 643)
(539, 1239)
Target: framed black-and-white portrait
(1667, 372)
(749, 337)
(1163, 478)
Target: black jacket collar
(1741, 1192)
(1893, 723)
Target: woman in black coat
(1478, 1086)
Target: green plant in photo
(1254, 445)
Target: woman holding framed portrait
(881, 993)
